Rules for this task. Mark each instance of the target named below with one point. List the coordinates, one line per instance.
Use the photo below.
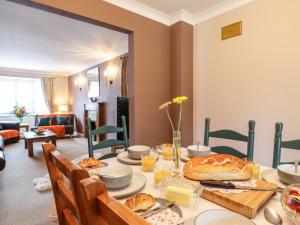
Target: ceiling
(172, 6)
(171, 11)
(36, 40)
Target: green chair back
(108, 142)
(278, 144)
(231, 135)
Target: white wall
(253, 76)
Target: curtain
(47, 86)
(124, 81)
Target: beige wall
(254, 76)
(61, 91)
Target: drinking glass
(167, 151)
(148, 161)
(255, 168)
(163, 169)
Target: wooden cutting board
(245, 203)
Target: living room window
(22, 92)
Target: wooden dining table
(189, 213)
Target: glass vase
(176, 149)
(21, 120)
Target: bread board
(246, 203)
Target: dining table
(189, 213)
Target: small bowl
(286, 173)
(136, 151)
(290, 202)
(193, 151)
(39, 132)
(117, 176)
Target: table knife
(229, 185)
(157, 210)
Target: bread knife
(229, 185)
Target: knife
(156, 210)
(229, 185)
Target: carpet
(20, 203)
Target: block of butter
(181, 190)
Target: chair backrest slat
(231, 135)
(58, 168)
(66, 195)
(278, 144)
(70, 220)
(228, 150)
(106, 130)
(108, 143)
(294, 144)
(103, 209)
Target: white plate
(137, 184)
(123, 157)
(221, 217)
(272, 177)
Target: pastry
(89, 163)
(217, 167)
(140, 201)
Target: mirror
(93, 83)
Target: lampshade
(63, 108)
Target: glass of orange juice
(167, 151)
(162, 170)
(255, 168)
(148, 161)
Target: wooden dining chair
(113, 143)
(101, 208)
(231, 135)
(278, 144)
(69, 212)
(81, 200)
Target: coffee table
(31, 137)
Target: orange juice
(167, 151)
(159, 175)
(148, 162)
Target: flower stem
(168, 114)
(179, 120)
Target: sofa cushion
(44, 121)
(1, 127)
(8, 134)
(59, 130)
(63, 120)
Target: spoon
(272, 216)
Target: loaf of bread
(217, 167)
(140, 201)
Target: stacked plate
(133, 155)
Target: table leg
(25, 144)
(30, 148)
(53, 141)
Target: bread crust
(217, 167)
(140, 201)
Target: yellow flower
(165, 105)
(180, 99)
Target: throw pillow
(63, 120)
(44, 121)
(1, 126)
